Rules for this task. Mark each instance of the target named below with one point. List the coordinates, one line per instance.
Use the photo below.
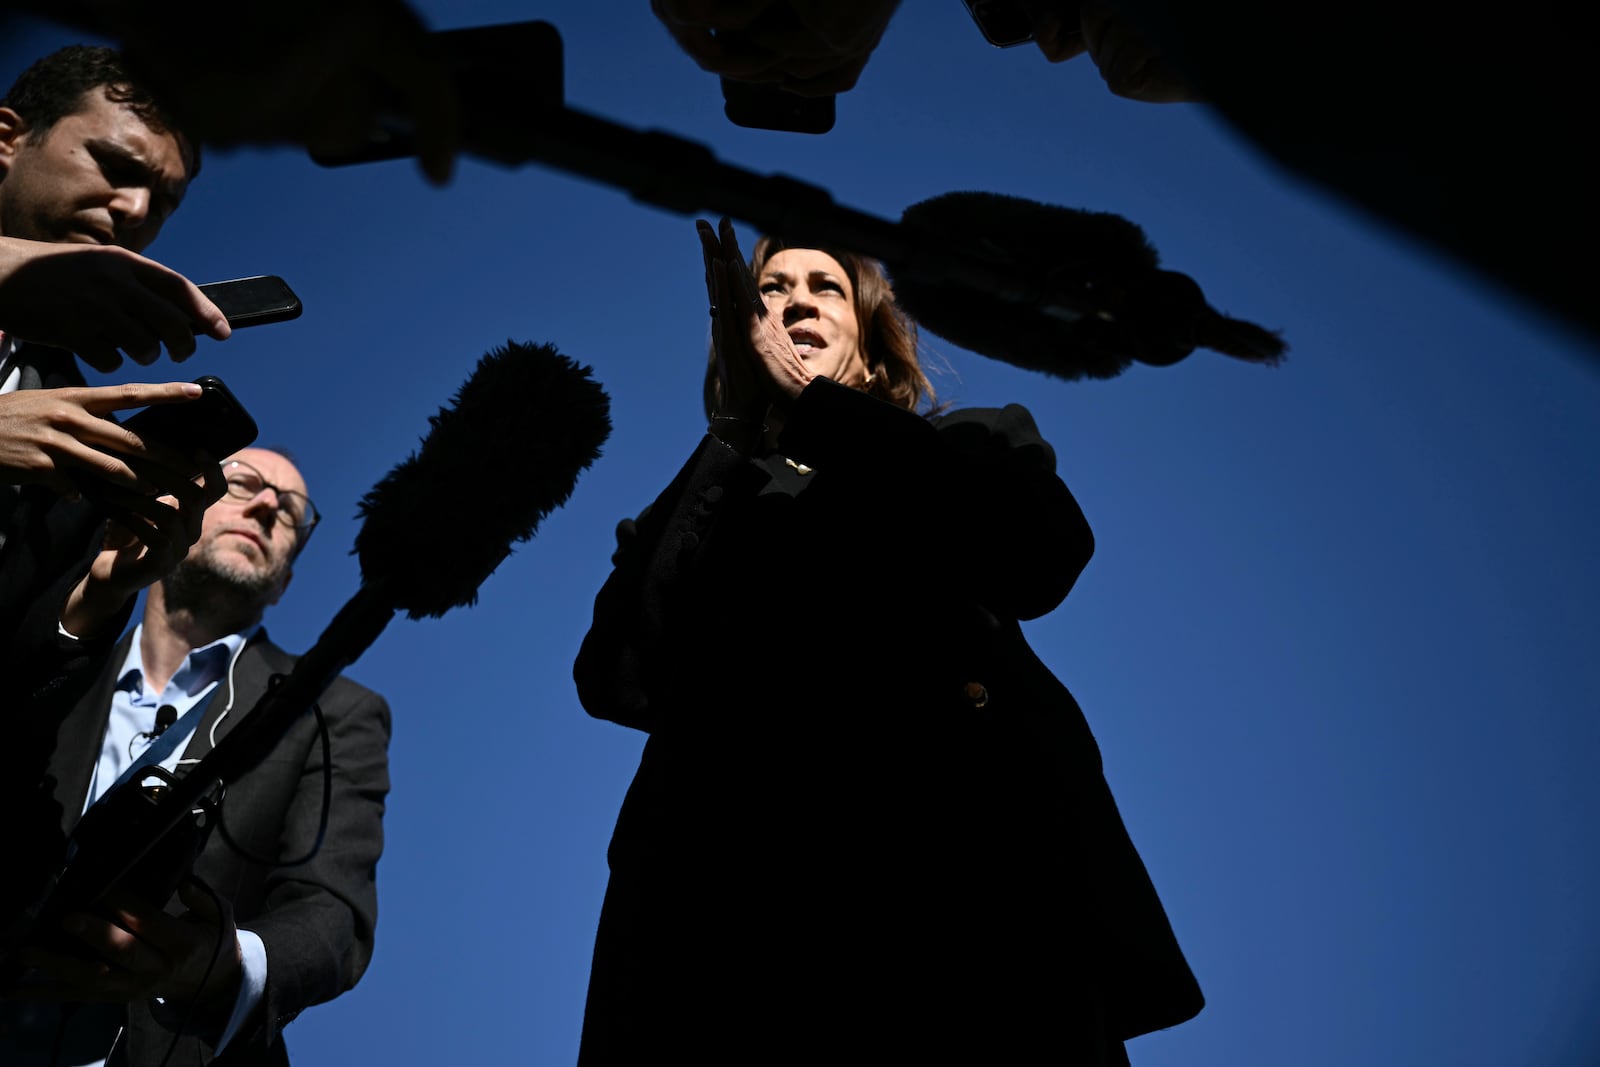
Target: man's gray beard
(205, 590)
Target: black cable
(322, 822)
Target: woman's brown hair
(888, 336)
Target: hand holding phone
(214, 421)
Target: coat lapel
(257, 663)
(80, 736)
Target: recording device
(254, 301)
(768, 107)
(214, 421)
(1002, 22)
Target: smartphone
(767, 107)
(1003, 23)
(214, 421)
(253, 301)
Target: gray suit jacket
(316, 919)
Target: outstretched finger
(709, 251)
(103, 399)
(742, 282)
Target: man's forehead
(107, 118)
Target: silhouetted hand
(56, 437)
(143, 952)
(1131, 66)
(809, 47)
(146, 538)
(303, 72)
(97, 299)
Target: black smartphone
(214, 421)
(767, 107)
(254, 301)
(1002, 22)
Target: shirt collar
(203, 666)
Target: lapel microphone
(166, 715)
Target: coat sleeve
(39, 668)
(973, 493)
(317, 919)
(622, 656)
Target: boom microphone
(508, 454)
(522, 428)
(1091, 258)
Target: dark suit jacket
(868, 818)
(46, 545)
(315, 919)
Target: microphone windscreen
(507, 452)
(1094, 263)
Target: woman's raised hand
(756, 360)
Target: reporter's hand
(302, 72)
(56, 437)
(1130, 65)
(809, 47)
(142, 952)
(146, 538)
(95, 300)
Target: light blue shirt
(128, 749)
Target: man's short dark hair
(54, 87)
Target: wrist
(91, 607)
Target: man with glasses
(291, 933)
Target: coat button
(977, 695)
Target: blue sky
(1337, 641)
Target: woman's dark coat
(868, 822)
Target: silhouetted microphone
(507, 452)
(1099, 264)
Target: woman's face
(812, 293)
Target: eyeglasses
(294, 509)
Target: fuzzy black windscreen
(507, 453)
(1096, 263)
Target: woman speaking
(869, 825)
